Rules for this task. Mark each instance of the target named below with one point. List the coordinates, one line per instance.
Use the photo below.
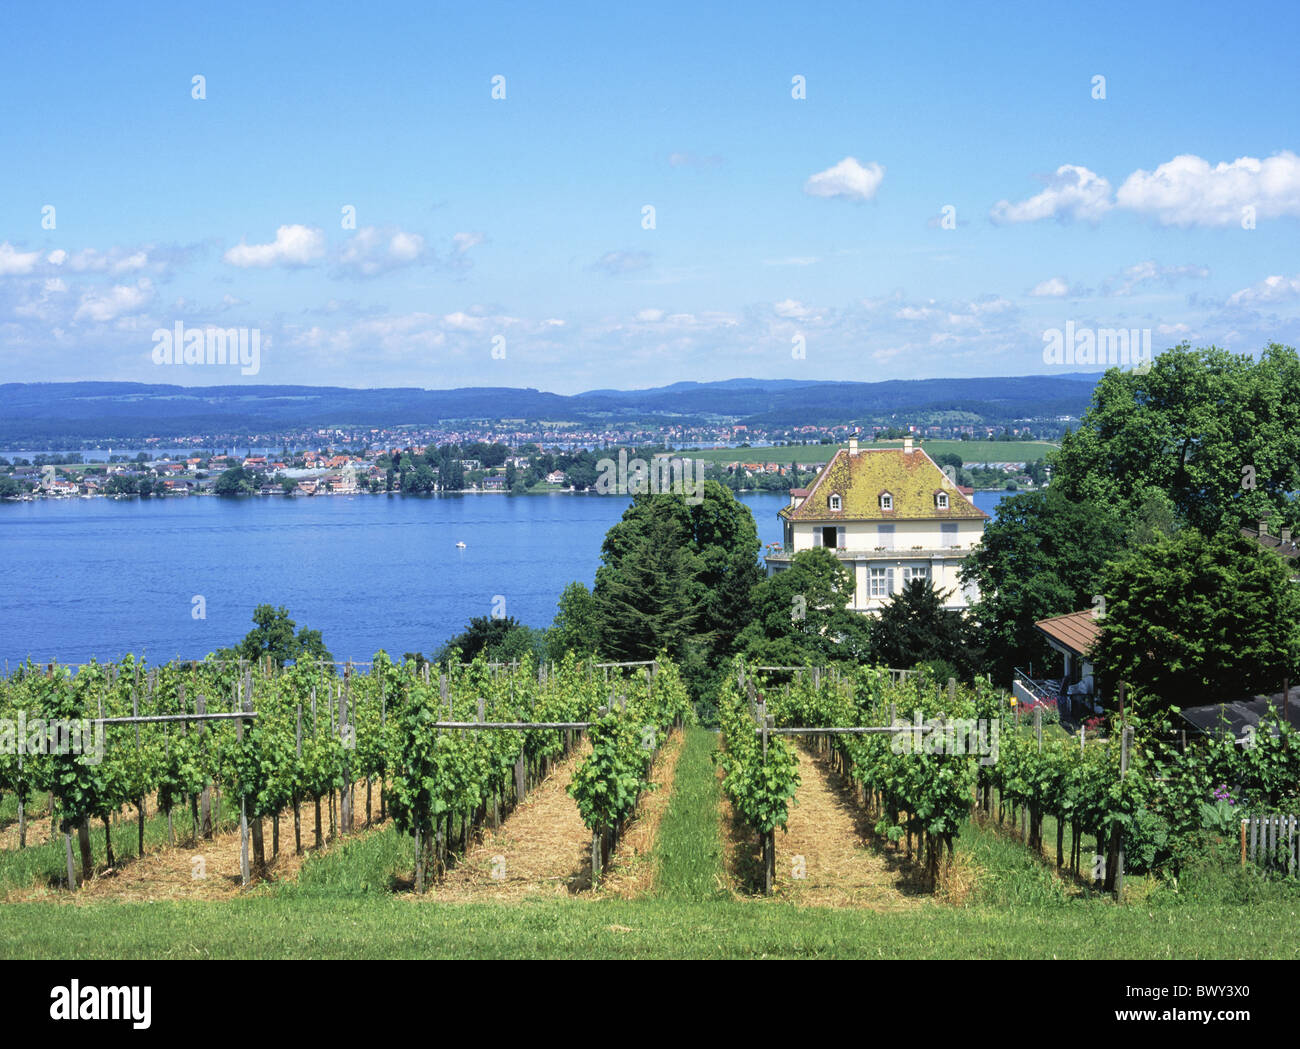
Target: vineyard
(836, 788)
(926, 757)
(443, 754)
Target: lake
(104, 577)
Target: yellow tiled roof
(912, 478)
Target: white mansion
(891, 515)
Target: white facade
(884, 537)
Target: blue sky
(520, 220)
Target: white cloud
(462, 242)
(1187, 191)
(16, 263)
(618, 263)
(120, 300)
(372, 251)
(792, 309)
(1052, 288)
(1151, 272)
(158, 261)
(1270, 289)
(1073, 192)
(114, 261)
(847, 179)
(293, 246)
(650, 316)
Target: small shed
(1072, 635)
(1242, 716)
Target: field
(970, 451)
(683, 897)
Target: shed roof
(1075, 631)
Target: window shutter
(839, 538)
(889, 580)
(817, 537)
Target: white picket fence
(1271, 841)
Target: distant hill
(85, 411)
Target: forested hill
(93, 410)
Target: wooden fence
(1271, 841)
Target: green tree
(1194, 619)
(1043, 556)
(273, 636)
(1218, 433)
(574, 628)
(802, 616)
(915, 627)
(120, 484)
(499, 639)
(647, 595)
(236, 481)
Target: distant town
(544, 458)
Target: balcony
(778, 554)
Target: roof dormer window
(886, 501)
(941, 500)
(835, 503)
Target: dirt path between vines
(38, 826)
(827, 856)
(542, 847)
(208, 870)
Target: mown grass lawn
(388, 927)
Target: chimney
(853, 445)
(1263, 526)
(907, 445)
(1286, 537)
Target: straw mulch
(38, 826)
(542, 847)
(208, 870)
(632, 870)
(827, 856)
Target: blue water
(104, 577)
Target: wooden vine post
(297, 801)
(243, 817)
(205, 797)
(769, 837)
(139, 801)
(1115, 851)
(345, 734)
(255, 825)
(315, 796)
(1125, 737)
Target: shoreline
(347, 495)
